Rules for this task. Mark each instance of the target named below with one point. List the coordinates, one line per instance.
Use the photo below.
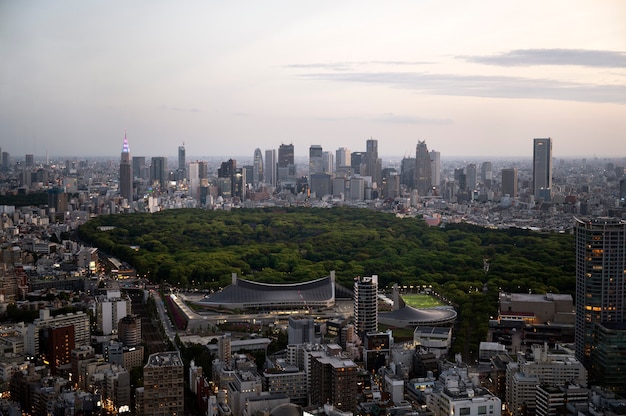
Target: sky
(471, 78)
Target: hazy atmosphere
(478, 78)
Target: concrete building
(334, 382)
(537, 308)
(600, 278)
(542, 169)
(284, 378)
(543, 366)
(454, 394)
(437, 340)
(163, 380)
(79, 320)
(423, 166)
(509, 182)
(110, 308)
(366, 304)
(301, 330)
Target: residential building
(600, 245)
(163, 380)
(366, 304)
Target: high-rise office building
(407, 172)
(194, 179)
(542, 169)
(509, 182)
(342, 157)
(471, 177)
(158, 172)
(486, 174)
(316, 159)
(366, 304)
(29, 160)
(328, 162)
(126, 172)
(373, 164)
(423, 173)
(269, 173)
(181, 157)
(286, 168)
(257, 167)
(356, 160)
(285, 155)
(164, 381)
(139, 167)
(435, 168)
(600, 279)
(181, 169)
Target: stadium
(245, 294)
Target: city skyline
(472, 80)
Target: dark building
(356, 158)
(423, 173)
(159, 174)
(56, 345)
(600, 281)
(139, 167)
(57, 199)
(407, 172)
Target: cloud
(346, 66)
(531, 57)
(392, 118)
(483, 86)
(180, 110)
(400, 119)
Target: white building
(554, 368)
(455, 395)
(110, 309)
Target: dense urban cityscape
(83, 334)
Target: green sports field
(421, 301)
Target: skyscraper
(342, 157)
(181, 171)
(126, 174)
(158, 172)
(328, 162)
(509, 182)
(316, 159)
(139, 166)
(366, 304)
(257, 167)
(600, 279)
(423, 173)
(181, 157)
(486, 174)
(286, 169)
(285, 155)
(373, 163)
(435, 168)
(471, 177)
(542, 169)
(269, 173)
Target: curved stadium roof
(410, 316)
(245, 294)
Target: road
(167, 324)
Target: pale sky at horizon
(479, 78)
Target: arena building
(245, 294)
(403, 315)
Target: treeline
(202, 248)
